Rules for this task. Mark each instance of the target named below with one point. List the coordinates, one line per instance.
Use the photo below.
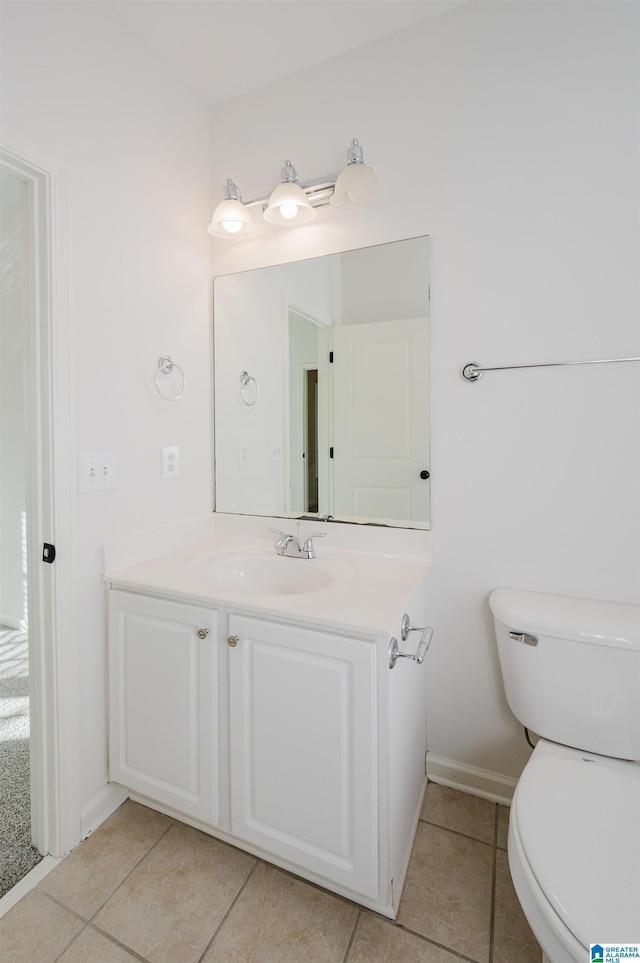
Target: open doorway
(311, 440)
(306, 350)
(18, 855)
(36, 757)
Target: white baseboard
(101, 807)
(477, 782)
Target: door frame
(55, 817)
(323, 327)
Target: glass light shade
(356, 186)
(231, 218)
(289, 205)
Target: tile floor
(145, 887)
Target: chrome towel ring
(246, 389)
(166, 366)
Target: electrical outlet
(275, 451)
(96, 471)
(170, 463)
(243, 454)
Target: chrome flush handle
(525, 637)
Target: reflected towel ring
(166, 366)
(245, 380)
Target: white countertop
(367, 593)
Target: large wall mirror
(322, 387)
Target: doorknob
(424, 473)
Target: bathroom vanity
(265, 699)
(251, 696)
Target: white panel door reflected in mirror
(339, 349)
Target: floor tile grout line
(71, 942)
(89, 919)
(352, 937)
(123, 946)
(61, 904)
(425, 939)
(229, 908)
(492, 924)
(456, 832)
(172, 823)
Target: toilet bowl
(574, 850)
(573, 667)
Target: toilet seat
(574, 849)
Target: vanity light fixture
(357, 185)
(231, 216)
(289, 204)
(294, 203)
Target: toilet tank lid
(584, 620)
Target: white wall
(385, 282)
(509, 133)
(81, 95)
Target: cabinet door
(163, 701)
(303, 749)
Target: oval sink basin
(266, 574)
(269, 575)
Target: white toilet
(571, 671)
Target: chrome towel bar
(472, 372)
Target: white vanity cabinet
(318, 745)
(164, 702)
(304, 748)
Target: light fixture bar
(292, 203)
(318, 192)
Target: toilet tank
(571, 669)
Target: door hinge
(331, 357)
(48, 552)
(331, 452)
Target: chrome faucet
(290, 547)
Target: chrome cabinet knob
(232, 641)
(202, 633)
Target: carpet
(17, 855)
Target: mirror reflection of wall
(339, 347)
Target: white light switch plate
(96, 471)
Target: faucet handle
(278, 531)
(308, 550)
